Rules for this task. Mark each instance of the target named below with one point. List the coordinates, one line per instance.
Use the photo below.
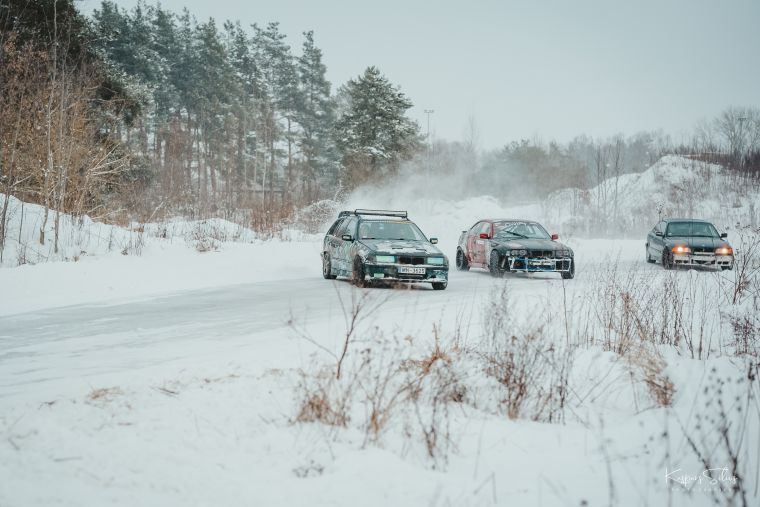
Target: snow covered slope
(673, 187)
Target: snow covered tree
(316, 114)
(373, 132)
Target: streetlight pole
(428, 112)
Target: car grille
(541, 254)
(702, 250)
(407, 259)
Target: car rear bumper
(703, 260)
(392, 273)
(543, 265)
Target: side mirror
(555, 237)
(434, 241)
(724, 235)
(658, 233)
(483, 235)
(346, 237)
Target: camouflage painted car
(376, 246)
(688, 242)
(507, 246)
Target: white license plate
(411, 271)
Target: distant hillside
(673, 187)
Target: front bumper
(540, 264)
(703, 260)
(392, 273)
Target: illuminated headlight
(724, 250)
(681, 249)
(385, 259)
(436, 261)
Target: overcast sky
(552, 69)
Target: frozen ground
(175, 377)
(187, 397)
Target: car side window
(485, 228)
(349, 227)
(475, 228)
(333, 229)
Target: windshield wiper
(516, 234)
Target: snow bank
(673, 187)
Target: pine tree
(316, 114)
(374, 133)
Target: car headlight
(563, 253)
(385, 259)
(436, 261)
(681, 249)
(724, 250)
(523, 252)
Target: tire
(493, 265)
(439, 285)
(667, 263)
(649, 257)
(462, 263)
(569, 275)
(358, 273)
(327, 267)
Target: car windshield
(692, 229)
(511, 230)
(393, 230)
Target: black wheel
(439, 285)
(462, 263)
(358, 274)
(667, 259)
(493, 265)
(327, 267)
(569, 275)
(649, 257)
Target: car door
(343, 251)
(656, 240)
(472, 236)
(480, 243)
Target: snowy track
(185, 397)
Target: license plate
(411, 271)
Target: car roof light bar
(375, 212)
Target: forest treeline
(140, 113)
(135, 112)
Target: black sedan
(376, 246)
(688, 242)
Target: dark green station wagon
(378, 246)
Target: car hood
(696, 242)
(399, 247)
(530, 244)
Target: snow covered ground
(180, 378)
